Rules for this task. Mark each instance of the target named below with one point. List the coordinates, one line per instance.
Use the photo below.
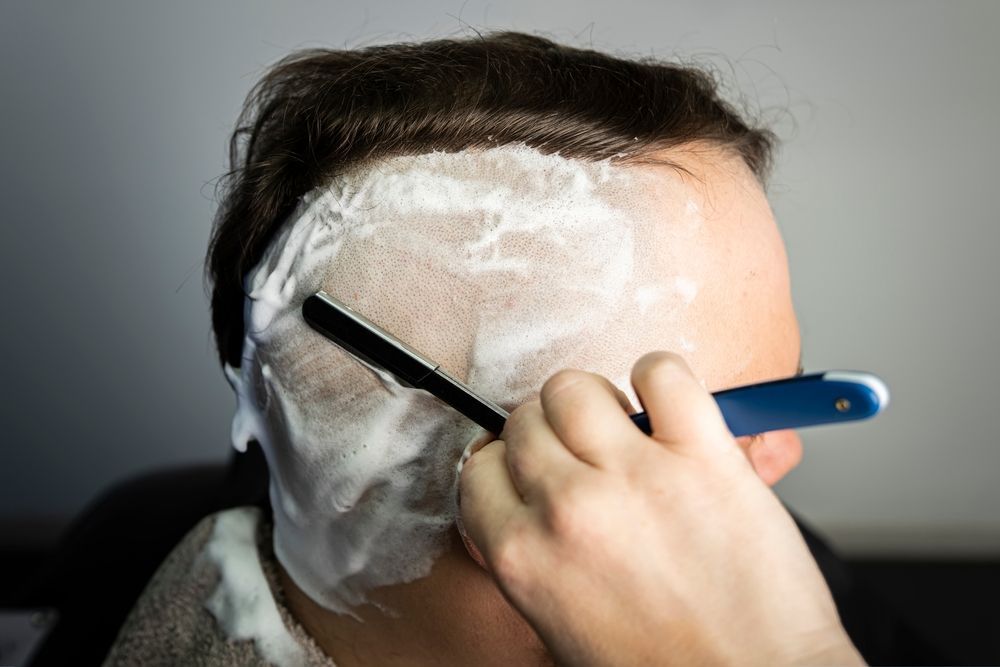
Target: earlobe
(773, 455)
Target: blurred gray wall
(113, 123)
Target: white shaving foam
(686, 288)
(502, 265)
(243, 603)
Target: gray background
(113, 125)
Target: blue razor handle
(806, 400)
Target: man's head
(507, 206)
(317, 113)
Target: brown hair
(317, 112)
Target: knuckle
(562, 380)
(520, 426)
(564, 521)
(520, 466)
(509, 557)
(520, 416)
(566, 516)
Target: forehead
(507, 265)
(744, 322)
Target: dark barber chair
(112, 550)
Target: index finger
(682, 413)
(588, 414)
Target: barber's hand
(621, 548)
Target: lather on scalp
(504, 265)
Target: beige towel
(215, 600)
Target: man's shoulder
(213, 602)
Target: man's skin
(744, 325)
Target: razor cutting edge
(830, 397)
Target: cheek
(774, 454)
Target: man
(510, 207)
